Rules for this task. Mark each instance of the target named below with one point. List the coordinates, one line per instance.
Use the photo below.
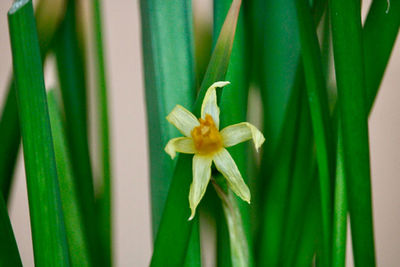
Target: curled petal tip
(170, 151)
(191, 217)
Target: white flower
(207, 143)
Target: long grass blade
(9, 254)
(277, 189)
(349, 67)
(104, 199)
(71, 75)
(318, 101)
(76, 237)
(303, 182)
(174, 226)
(48, 231)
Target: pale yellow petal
(201, 177)
(241, 132)
(227, 167)
(209, 105)
(183, 120)
(180, 144)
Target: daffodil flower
(208, 144)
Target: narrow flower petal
(183, 120)
(210, 103)
(180, 144)
(201, 177)
(227, 166)
(241, 132)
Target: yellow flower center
(206, 137)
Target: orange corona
(206, 137)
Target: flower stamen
(206, 137)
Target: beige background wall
(131, 203)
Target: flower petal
(201, 177)
(180, 144)
(227, 166)
(209, 105)
(183, 119)
(241, 132)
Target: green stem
(237, 238)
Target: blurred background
(132, 229)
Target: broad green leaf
(48, 230)
(168, 52)
(174, 227)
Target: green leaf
(168, 54)
(47, 18)
(322, 129)
(174, 227)
(349, 67)
(10, 137)
(303, 180)
(340, 210)
(48, 231)
(71, 75)
(233, 106)
(170, 80)
(277, 188)
(9, 254)
(104, 199)
(77, 242)
(383, 26)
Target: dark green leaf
(104, 199)
(9, 254)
